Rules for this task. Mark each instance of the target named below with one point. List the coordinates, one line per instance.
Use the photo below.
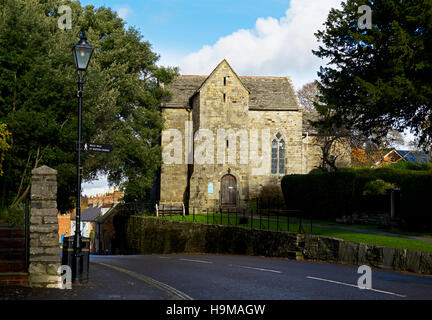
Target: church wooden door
(228, 191)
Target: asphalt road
(229, 277)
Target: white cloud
(169, 56)
(124, 12)
(95, 191)
(99, 186)
(276, 47)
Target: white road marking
(355, 286)
(253, 268)
(199, 261)
(163, 257)
(173, 292)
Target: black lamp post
(82, 53)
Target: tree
(308, 96)
(332, 139)
(378, 79)
(38, 99)
(4, 146)
(335, 140)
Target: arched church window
(281, 157)
(278, 155)
(274, 159)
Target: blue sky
(273, 37)
(183, 25)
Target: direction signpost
(95, 147)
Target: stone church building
(226, 136)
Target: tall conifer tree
(379, 78)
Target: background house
(92, 208)
(394, 156)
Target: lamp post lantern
(82, 52)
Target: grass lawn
(408, 233)
(272, 224)
(369, 226)
(356, 226)
(375, 239)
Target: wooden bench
(169, 209)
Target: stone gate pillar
(44, 241)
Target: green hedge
(270, 197)
(320, 195)
(334, 194)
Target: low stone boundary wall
(144, 235)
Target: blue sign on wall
(210, 188)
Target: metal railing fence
(262, 219)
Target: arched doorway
(228, 191)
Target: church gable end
(228, 74)
(223, 95)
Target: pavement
(228, 277)
(104, 284)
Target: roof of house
(107, 214)
(271, 93)
(91, 213)
(275, 93)
(182, 89)
(415, 156)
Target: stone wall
(174, 176)
(313, 153)
(155, 235)
(289, 124)
(44, 238)
(371, 218)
